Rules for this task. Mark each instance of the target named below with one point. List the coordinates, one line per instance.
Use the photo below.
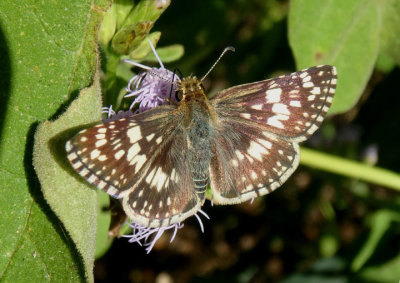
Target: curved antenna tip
(229, 48)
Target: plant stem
(350, 168)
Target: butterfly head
(189, 86)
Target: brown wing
(141, 159)
(258, 130)
(249, 162)
(291, 106)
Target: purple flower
(142, 235)
(152, 88)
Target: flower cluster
(152, 88)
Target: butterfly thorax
(198, 119)
(193, 94)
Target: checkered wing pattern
(141, 159)
(256, 146)
(291, 106)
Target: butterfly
(243, 143)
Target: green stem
(350, 168)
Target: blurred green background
(337, 219)
(319, 227)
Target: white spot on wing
(161, 178)
(280, 108)
(150, 137)
(119, 154)
(274, 121)
(257, 107)
(100, 143)
(256, 150)
(239, 155)
(150, 175)
(316, 90)
(133, 151)
(235, 163)
(303, 75)
(265, 143)
(308, 84)
(134, 134)
(295, 103)
(103, 157)
(139, 160)
(273, 95)
(245, 115)
(94, 154)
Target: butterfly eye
(178, 95)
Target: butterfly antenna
(230, 48)
(148, 69)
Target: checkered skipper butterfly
(243, 142)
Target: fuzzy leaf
(73, 201)
(47, 56)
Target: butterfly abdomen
(200, 133)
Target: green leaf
(108, 26)
(388, 271)
(380, 223)
(390, 40)
(341, 33)
(48, 55)
(103, 242)
(144, 47)
(138, 25)
(167, 54)
(123, 7)
(70, 198)
(129, 37)
(147, 10)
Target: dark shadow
(5, 78)
(57, 149)
(64, 106)
(35, 191)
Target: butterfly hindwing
(291, 106)
(249, 162)
(142, 160)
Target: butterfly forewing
(291, 106)
(136, 158)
